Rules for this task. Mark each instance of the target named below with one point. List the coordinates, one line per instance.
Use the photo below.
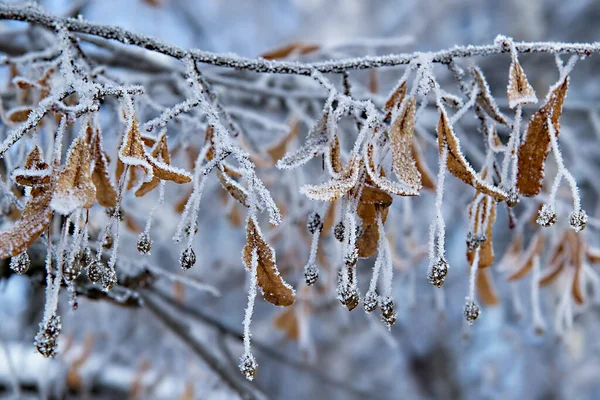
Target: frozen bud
(471, 311)
(314, 223)
(472, 241)
(578, 220)
(109, 279)
(187, 259)
(338, 231)
(144, 244)
(350, 298)
(388, 312)
(45, 339)
(512, 198)
(94, 271)
(71, 270)
(84, 258)
(311, 274)
(438, 272)
(546, 216)
(108, 241)
(370, 302)
(248, 366)
(20, 263)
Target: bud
(94, 271)
(45, 339)
(438, 273)
(371, 301)
(20, 263)
(144, 244)
(187, 259)
(546, 216)
(388, 312)
(578, 220)
(471, 311)
(248, 366)
(311, 274)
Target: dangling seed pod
(512, 198)
(388, 312)
(108, 242)
(546, 216)
(350, 297)
(438, 273)
(84, 257)
(45, 339)
(314, 223)
(144, 244)
(370, 302)
(187, 259)
(71, 270)
(578, 220)
(109, 279)
(338, 231)
(94, 271)
(471, 311)
(311, 274)
(472, 241)
(20, 263)
(248, 366)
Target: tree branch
(33, 14)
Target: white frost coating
(562, 170)
(563, 318)
(466, 107)
(511, 154)
(387, 268)
(439, 195)
(251, 298)
(380, 260)
(161, 199)
(473, 275)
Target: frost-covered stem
(251, 297)
(386, 261)
(473, 275)
(439, 194)
(562, 169)
(510, 154)
(538, 320)
(36, 15)
(161, 199)
(314, 246)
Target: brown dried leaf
(486, 251)
(280, 148)
(35, 171)
(235, 189)
(457, 164)
(485, 288)
(335, 156)
(485, 99)
(372, 202)
(519, 89)
(105, 192)
(36, 217)
(74, 187)
(535, 248)
(536, 144)
(132, 150)
(329, 219)
(287, 321)
(378, 179)
(274, 289)
(577, 252)
(18, 114)
(285, 51)
(336, 188)
(402, 134)
(395, 99)
(593, 254)
(427, 179)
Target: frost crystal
(248, 366)
(144, 243)
(20, 263)
(45, 340)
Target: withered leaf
(35, 171)
(485, 288)
(292, 48)
(334, 155)
(35, 218)
(74, 187)
(315, 144)
(519, 89)
(485, 99)
(379, 180)
(274, 289)
(486, 251)
(159, 151)
(279, 149)
(402, 134)
(395, 99)
(373, 202)
(336, 188)
(536, 144)
(457, 164)
(132, 150)
(18, 114)
(427, 180)
(535, 248)
(576, 252)
(105, 192)
(235, 189)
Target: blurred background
(320, 350)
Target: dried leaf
(427, 179)
(457, 164)
(235, 189)
(402, 134)
(279, 149)
(292, 48)
(336, 188)
(485, 99)
(536, 144)
(379, 180)
(334, 155)
(105, 192)
(519, 89)
(132, 150)
(36, 217)
(593, 254)
(486, 251)
(372, 203)
(577, 252)
(315, 144)
(485, 288)
(35, 171)
(74, 187)
(18, 114)
(287, 321)
(535, 248)
(274, 289)
(395, 99)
